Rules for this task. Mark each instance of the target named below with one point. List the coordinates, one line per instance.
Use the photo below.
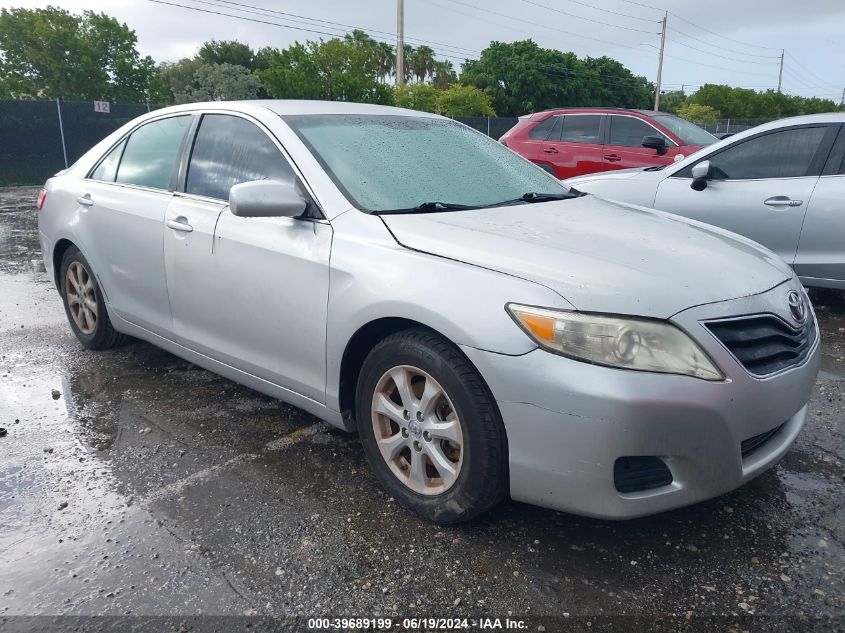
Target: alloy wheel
(417, 429)
(81, 297)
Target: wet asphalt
(135, 483)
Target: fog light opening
(635, 474)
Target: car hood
(601, 256)
(616, 174)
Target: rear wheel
(430, 428)
(84, 304)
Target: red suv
(574, 141)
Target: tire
(474, 477)
(95, 333)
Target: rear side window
(151, 153)
(230, 150)
(107, 169)
(626, 131)
(581, 128)
(541, 131)
(785, 154)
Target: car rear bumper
(568, 423)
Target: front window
(688, 132)
(384, 163)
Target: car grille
(764, 343)
(753, 443)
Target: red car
(574, 141)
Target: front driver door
(760, 187)
(624, 148)
(249, 292)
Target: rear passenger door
(821, 248)
(624, 148)
(578, 150)
(536, 146)
(122, 207)
(248, 292)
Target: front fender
(464, 303)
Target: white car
(781, 184)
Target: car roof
(599, 110)
(285, 107)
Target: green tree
(422, 63)
(521, 77)
(746, 103)
(443, 74)
(227, 52)
(459, 100)
(53, 53)
(672, 100)
(336, 70)
(220, 82)
(418, 96)
(697, 113)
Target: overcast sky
(718, 41)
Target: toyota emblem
(797, 307)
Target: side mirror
(266, 199)
(657, 143)
(700, 175)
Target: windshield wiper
(428, 207)
(536, 196)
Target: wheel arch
(359, 346)
(59, 250)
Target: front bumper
(568, 422)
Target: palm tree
(443, 74)
(422, 63)
(385, 60)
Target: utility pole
(400, 43)
(660, 63)
(780, 74)
(842, 103)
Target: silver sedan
(486, 330)
(782, 184)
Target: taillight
(502, 141)
(39, 202)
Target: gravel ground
(133, 483)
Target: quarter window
(107, 169)
(581, 128)
(151, 153)
(540, 132)
(626, 131)
(786, 154)
(229, 150)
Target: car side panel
(464, 303)
(821, 247)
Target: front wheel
(430, 428)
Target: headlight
(628, 343)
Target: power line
(544, 26)
(287, 26)
(719, 46)
(733, 59)
(579, 17)
(611, 11)
(292, 17)
(809, 72)
(724, 37)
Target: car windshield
(688, 132)
(387, 163)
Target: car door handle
(782, 201)
(551, 150)
(612, 158)
(179, 224)
(85, 200)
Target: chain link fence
(732, 126)
(39, 138)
